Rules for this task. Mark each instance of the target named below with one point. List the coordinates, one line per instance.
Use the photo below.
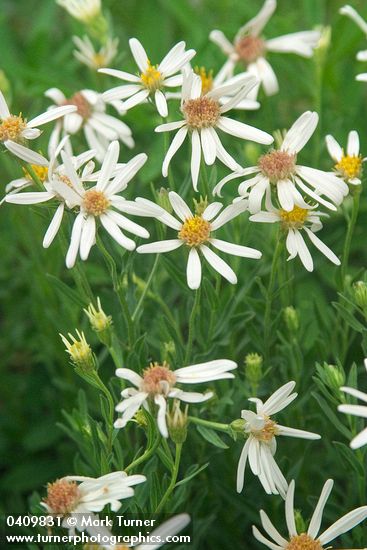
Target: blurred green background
(36, 380)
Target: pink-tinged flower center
(158, 379)
(250, 48)
(84, 108)
(303, 542)
(267, 433)
(295, 218)
(202, 112)
(195, 231)
(62, 496)
(95, 202)
(277, 165)
(12, 127)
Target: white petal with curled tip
(161, 417)
(355, 410)
(293, 432)
(344, 524)
(219, 265)
(315, 523)
(355, 393)
(333, 147)
(124, 175)
(34, 197)
(261, 183)
(139, 54)
(75, 241)
(296, 42)
(314, 195)
(222, 154)
(116, 233)
(258, 536)
(121, 92)
(359, 440)
(193, 270)
(179, 206)
(231, 211)
(179, 63)
(209, 146)
(120, 74)
(190, 397)
(170, 58)
(168, 528)
(236, 249)
(127, 224)
(56, 95)
(267, 76)
(274, 403)
(212, 210)
(353, 144)
(242, 466)
(322, 247)
(244, 131)
(238, 174)
(289, 510)
(161, 103)
(257, 23)
(25, 154)
(50, 115)
(285, 195)
(54, 226)
(130, 376)
(222, 41)
(264, 217)
(254, 456)
(204, 372)
(303, 252)
(135, 99)
(271, 530)
(195, 158)
(88, 237)
(173, 148)
(300, 132)
(4, 109)
(71, 173)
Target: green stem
(192, 325)
(204, 177)
(269, 297)
(119, 291)
(208, 424)
(172, 484)
(144, 293)
(144, 457)
(348, 239)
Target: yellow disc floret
(95, 202)
(152, 78)
(295, 218)
(195, 231)
(349, 166)
(41, 172)
(206, 79)
(303, 542)
(12, 127)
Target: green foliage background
(36, 380)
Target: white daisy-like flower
(103, 203)
(347, 166)
(279, 169)
(86, 54)
(158, 383)
(90, 115)
(260, 446)
(167, 529)
(16, 128)
(49, 173)
(362, 24)
(203, 115)
(152, 80)
(294, 222)
(310, 540)
(73, 496)
(195, 231)
(250, 48)
(356, 410)
(83, 10)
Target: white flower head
(86, 54)
(297, 222)
(152, 80)
(203, 115)
(16, 128)
(195, 232)
(77, 495)
(279, 169)
(311, 540)
(262, 432)
(158, 383)
(356, 410)
(348, 166)
(250, 48)
(49, 174)
(83, 10)
(90, 115)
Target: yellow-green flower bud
(177, 422)
(80, 351)
(238, 425)
(360, 294)
(291, 319)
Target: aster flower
(262, 432)
(168, 528)
(16, 128)
(347, 166)
(90, 115)
(250, 48)
(73, 496)
(356, 410)
(86, 54)
(362, 24)
(203, 115)
(153, 79)
(195, 231)
(49, 173)
(310, 540)
(295, 222)
(102, 203)
(158, 383)
(278, 169)
(83, 10)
